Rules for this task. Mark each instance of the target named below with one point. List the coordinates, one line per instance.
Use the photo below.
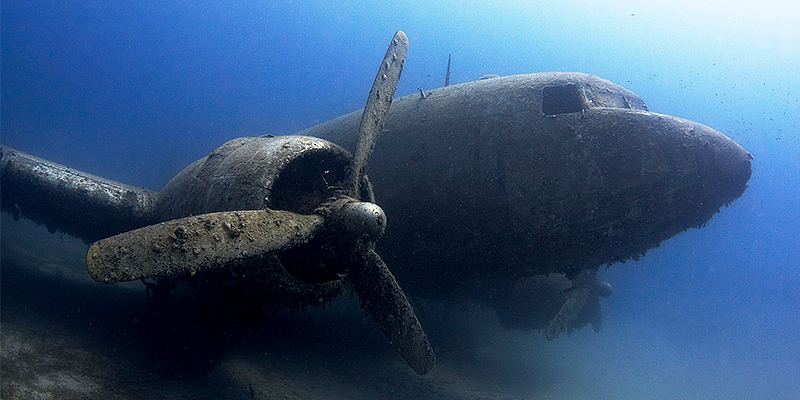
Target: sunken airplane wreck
(509, 191)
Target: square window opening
(562, 99)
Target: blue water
(135, 91)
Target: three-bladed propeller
(221, 239)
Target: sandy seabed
(63, 336)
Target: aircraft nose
(732, 166)
(649, 177)
(722, 165)
(691, 169)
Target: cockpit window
(561, 99)
(612, 96)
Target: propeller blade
(378, 102)
(381, 296)
(569, 311)
(595, 313)
(384, 301)
(197, 243)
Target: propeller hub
(362, 218)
